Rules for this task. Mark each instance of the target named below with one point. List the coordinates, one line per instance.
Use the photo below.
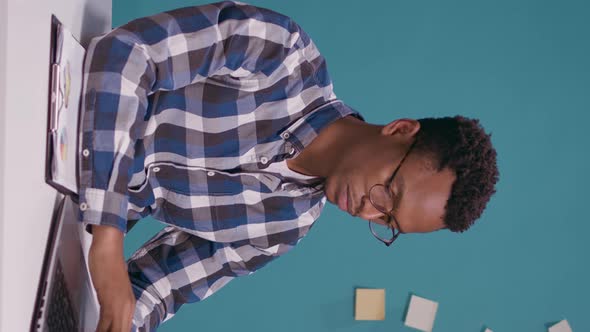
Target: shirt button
(210, 173)
(264, 160)
(85, 152)
(83, 206)
(285, 135)
(156, 169)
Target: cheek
(374, 167)
(367, 153)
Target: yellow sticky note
(370, 304)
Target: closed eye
(385, 219)
(400, 189)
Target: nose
(367, 211)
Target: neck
(325, 152)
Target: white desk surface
(26, 202)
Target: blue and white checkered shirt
(182, 113)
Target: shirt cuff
(101, 207)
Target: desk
(26, 202)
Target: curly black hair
(462, 145)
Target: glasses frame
(387, 187)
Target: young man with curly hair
(221, 121)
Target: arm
(175, 268)
(166, 51)
(122, 70)
(109, 277)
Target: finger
(126, 321)
(103, 324)
(121, 323)
(129, 324)
(128, 315)
(117, 325)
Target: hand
(113, 287)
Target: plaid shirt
(182, 113)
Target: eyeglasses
(382, 199)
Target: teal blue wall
(523, 68)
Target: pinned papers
(562, 326)
(421, 313)
(370, 304)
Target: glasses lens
(381, 198)
(380, 231)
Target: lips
(348, 201)
(352, 210)
(343, 200)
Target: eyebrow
(401, 188)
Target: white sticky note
(421, 313)
(562, 326)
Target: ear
(405, 127)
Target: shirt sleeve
(166, 51)
(175, 268)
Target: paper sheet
(70, 57)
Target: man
(221, 121)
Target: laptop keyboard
(60, 314)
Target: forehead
(424, 194)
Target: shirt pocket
(203, 199)
(195, 180)
(181, 179)
(250, 82)
(189, 200)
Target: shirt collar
(303, 131)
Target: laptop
(66, 299)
